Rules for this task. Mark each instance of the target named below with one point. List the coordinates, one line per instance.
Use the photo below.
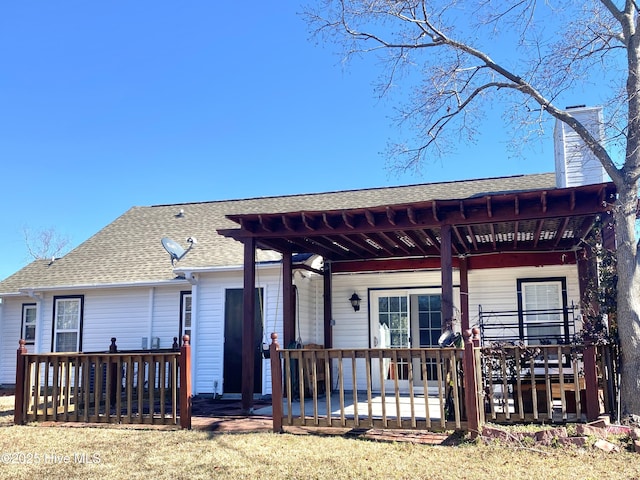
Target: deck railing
(435, 388)
(150, 387)
(540, 383)
(416, 388)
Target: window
(542, 308)
(185, 316)
(67, 324)
(29, 315)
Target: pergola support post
(464, 293)
(328, 314)
(288, 315)
(446, 272)
(248, 315)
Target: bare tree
(523, 56)
(45, 243)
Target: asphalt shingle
(128, 250)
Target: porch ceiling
(545, 220)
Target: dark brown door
(233, 341)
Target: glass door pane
(393, 322)
(426, 318)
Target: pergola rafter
(535, 227)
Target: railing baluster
(563, 400)
(86, 373)
(343, 421)
(288, 385)
(517, 396)
(129, 387)
(576, 384)
(29, 387)
(425, 386)
(152, 386)
(442, 388)
(394, 360)
(142, 367)
(456, 388)
(354, 383)
(411, 403)
(534, 388)
(328, 385)
(314, 385)
(162, 366)
(46, 389)
(367, 366)
(383, 377)
(300, 367)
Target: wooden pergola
(528, 228)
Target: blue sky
(108, 105)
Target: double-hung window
(542, 307)
(67, 324)
(29, 318)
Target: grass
(144, 454)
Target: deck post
(288, 315)
(248, 328)
(446, 273)
(18, 412)
(113, 348)
(185, 384)
(276, 383)
(592, 406)
(471, 340)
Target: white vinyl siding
(11, 333)
(209, 325)
(495, 289)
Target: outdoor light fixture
(355, 302)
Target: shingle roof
(128, 250)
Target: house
(419, 258)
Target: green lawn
(106, 453)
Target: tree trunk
(628, 314)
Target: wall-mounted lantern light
(355, 302)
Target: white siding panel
(309, 323)
(496, 289)
(209, 359)
(209, 341)
(351, 329)
(166, 315)
(10, 322)
(119, 313)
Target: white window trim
(23, 334)
(78, 330)
(183, 311)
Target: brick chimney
(575, 163)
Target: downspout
(150, 322)
(193, 280)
